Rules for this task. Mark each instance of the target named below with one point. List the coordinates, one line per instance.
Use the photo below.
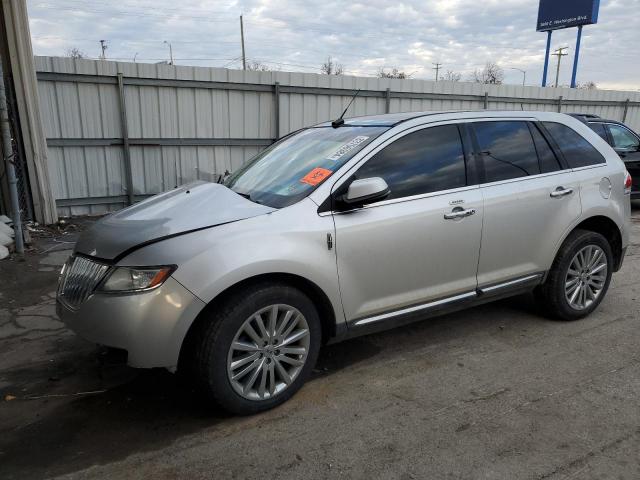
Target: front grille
(80, 277)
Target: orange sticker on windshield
(315, 176)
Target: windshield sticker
(315, 176)
(347, 147)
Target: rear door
(529, 200)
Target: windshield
(292, 168)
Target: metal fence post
(125, 141)
(276, 108)
(626, 109)
(560, 104)
(486, 100)
(7, 153)
(387, 101)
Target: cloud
(364, 36)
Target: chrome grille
(79, 278)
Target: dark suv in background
(624, 141)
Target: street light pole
(244, 58)
(524, 74)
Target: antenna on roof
(340, 121)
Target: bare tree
(258, 66)
(491, 74)
(394, 73)
(451, 76)
(590, 85)
(75, 52)
(331, 68)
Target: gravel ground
(493, 392)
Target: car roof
(593, 118)
(385, 120)
(604, 120)
(393, 119)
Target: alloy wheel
(268, 352)
(586, 277)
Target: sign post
(554, 15)
(575, 58)
(546, 59)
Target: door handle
(459, 213)
(561, 192)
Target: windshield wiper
(248, 197)
(223, 176)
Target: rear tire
(579, 277)
(258, 348)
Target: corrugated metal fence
(117, 132)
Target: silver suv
(347, 228)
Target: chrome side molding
(511, 283)
(415, 308)
(449, 300)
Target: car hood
(192, 207)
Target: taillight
(627, 182)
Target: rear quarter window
(577, 150)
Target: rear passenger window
(507, 150)
(425, 161)
(576, 150)
(600, 130)
(548, 160)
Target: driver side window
(424, 161)
(623, 138)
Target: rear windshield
(292, 168)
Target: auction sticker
(347, 147)
(315, 176)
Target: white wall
(92, 111)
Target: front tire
(579, 277)
(258, 348)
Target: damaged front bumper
(150, 326)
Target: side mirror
(366, 190)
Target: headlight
(131, 279)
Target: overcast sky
(297, 35)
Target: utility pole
(244, 59)
(436, 68)
(103, 47)
(559, 53)
(170, 53)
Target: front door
(627, 145)
(421, 243)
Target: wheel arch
(606, 227)
(313, 291)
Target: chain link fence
(18, 159)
